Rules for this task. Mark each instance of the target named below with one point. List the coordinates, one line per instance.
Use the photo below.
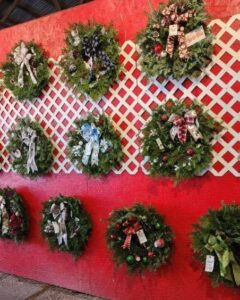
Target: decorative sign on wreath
(139, 237)
(91, 58)
(66, 225)
(30, 149)
(26, 71)
(177, 140)
(176, 41)
(216, 242)
(13, 217)
(94, 146)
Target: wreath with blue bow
(91, 58)
(94, 146)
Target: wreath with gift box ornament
(91, 58)
(177, 140)
(66, 225)
(94, 146)
(176, 40)
(30, 150)
(216, 243)
(139, 237)
(13, 217)
(26, 71)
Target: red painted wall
(94, 272)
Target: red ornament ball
(164, 117)
(157, 49)
(151, 254)
(165, 158)
(160, 243)
(190, 152)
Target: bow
(91, 51)
(22, 58)
(131, 227)
(229, 268)
(173, 20)
(4, 217)
(184, 124)
(59, 213)
(28, 137)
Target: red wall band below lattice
(94, 272)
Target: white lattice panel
(130, 101)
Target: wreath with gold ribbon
(177, 140)
(30, 150)
(139, 237)
(13, 217)
(91, 58)
(216, 243)
(176, 41)
(26, 71)
(66, 225)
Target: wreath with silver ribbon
(66, 225)
(177, 140)
(26, 71)
(30, 150)
(91, 60)
(94, 146)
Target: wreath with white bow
(91, 58)
(94, 146)
(177, 140)
(139, 237)
(66, 225)
(26, 71)
(176, 40)
(13, 217)
(30, 150)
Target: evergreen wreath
(176, 40)
(30, 150)
(91, 58)
(13, 217)
(216, 242)
(177, 140)
(66, 225)
(139, 237)
(26, 71)
(94, 146)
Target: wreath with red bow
(139, 237)
(176, 41)
(13, 217)
(177, 140)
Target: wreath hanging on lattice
(30, 150)
(13, 216)
(139, 237)
(177, 140)
(26, 71)
(176, 40)
(66, 225)
(216, 242)
(94, 146)
(91, 58)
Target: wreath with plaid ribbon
(26, 71)
(177, 140)
(66, 225)
(13, 216)
(176, 41)
(139, 237)
(91, 58)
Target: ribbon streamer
(28, 137)
(91, 51)
(131, 227)
(172, 18)
(184, 124)
(4, 217)
(22, 58)
(229, 267)
(59, 213)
